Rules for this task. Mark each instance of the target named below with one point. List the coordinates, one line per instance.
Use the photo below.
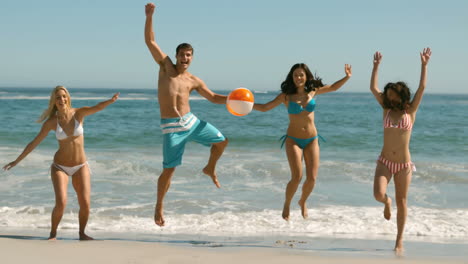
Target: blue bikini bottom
(301, 142)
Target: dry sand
(23, 250)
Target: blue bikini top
(295, 108)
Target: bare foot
(84, 237)
(158, 216)
(399, 250)
(304, 210)
(286, 212)
(53, 236)
(388, 207)
(210, 172)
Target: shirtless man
(178, 124)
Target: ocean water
(124, 148)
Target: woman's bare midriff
(70, 152)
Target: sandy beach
(24, 249)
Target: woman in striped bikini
(399, 114)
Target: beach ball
(240, 101)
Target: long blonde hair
(49, 112)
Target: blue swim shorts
(178, 131)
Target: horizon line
(134, 88)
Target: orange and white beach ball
(240, 102)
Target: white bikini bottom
(70, 170)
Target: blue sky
(238, 43)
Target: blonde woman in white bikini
(399, 114)
(70, 158)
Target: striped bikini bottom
(395, 167)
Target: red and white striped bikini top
(404, 123)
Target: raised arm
(158, 55)
(46, 127)
(337, 85)
(89, 110)
(270, 105)
(213, 97)
(374, 87)
(425, 56)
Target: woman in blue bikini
(70, 158)
(298, 93)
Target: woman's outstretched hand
(9, 165)
(377, 58)
(348, 70)
(425, 56)
(115, 97)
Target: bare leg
(60, 182)
(216, 151)
(164, 182)
(381, 179)
(294, 154)
(402, 181)
(82, 184)
(311, 158)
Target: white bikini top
(61, 135)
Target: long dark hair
(288, 86)
(402, 90)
